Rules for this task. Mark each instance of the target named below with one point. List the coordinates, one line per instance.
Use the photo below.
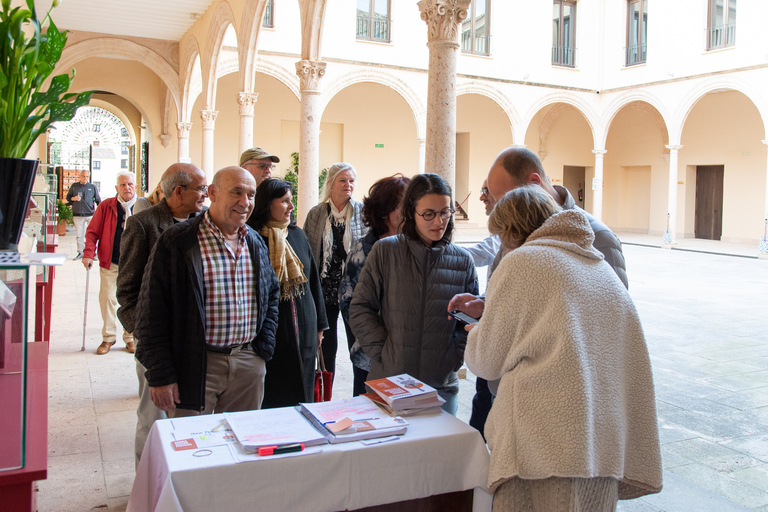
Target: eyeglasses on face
(263, 167)
(429, 215)
(484, 191)
(202, 188)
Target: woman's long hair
(333, 173)
(421, 185)
(383, 198)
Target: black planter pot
(17, 175)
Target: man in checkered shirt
(207, 310)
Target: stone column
(209, 122)
(422, 153)
(670, 234)
(597, 184)
(310, 72)
(443, 18)
(183, 129)
(246, 100)
(763, 248)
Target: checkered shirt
(231, 293)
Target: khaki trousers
(108, 304)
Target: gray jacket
(315, 224)
(89, 198)
(399, 310)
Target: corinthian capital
(310, 72)
(246, 100)
(443, 18)
(183, 129)
(209, 118)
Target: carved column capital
(165, 139)
(183, 129)
(246, 100)
(310, 72)
(209, 118)
(674, 147)
(443, 18)
(599, 152)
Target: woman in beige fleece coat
(573, 426)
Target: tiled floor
(705, 322)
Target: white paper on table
(240, 455)
(268, 427)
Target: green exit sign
(379, 145)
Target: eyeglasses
(202, 188)
(484, 191)
(263, 167)
(429, 215)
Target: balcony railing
(480, 44)
(564, 56)
(635, 54)
(721, 36)
(373, 29)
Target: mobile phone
(463, 317)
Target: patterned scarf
(287, 265)
(337, 217)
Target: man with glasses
(259, 163)
(185, 189)
(485, 252)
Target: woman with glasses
(333, 228)
(398, 309)
(290, 372)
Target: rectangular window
(563, 33)
(96, 164)
(124, 163)
(721, 32)
(476, 29)
(637, 31)
(373, 20)
(97, 127)
(123, 149)
(269, 15)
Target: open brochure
(404, 392)
(352, 419)
(268, 427)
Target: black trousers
(330, 337)
(481, 405)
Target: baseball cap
(255, 154)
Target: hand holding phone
(463, 317)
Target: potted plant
(28, 55)
(65, 216)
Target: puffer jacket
(399, 310)
(170, 314)
(315, 224)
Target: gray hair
(125, 173)
(333, 173)
(170, 181)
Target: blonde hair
(333, 173)
(521, 212)
(156, 195)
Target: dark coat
(291, 371)
(170, 315)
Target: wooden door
(709, 202)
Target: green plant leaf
(59, 85)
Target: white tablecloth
(439, 454)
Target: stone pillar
(422, 153)
(246, 100)
(183, 129)
(670, 233)
(597, 184)
(443, 18)
(310, 72)
(763, 248)
(209, 122)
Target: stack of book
(403, 395)
(352, 419)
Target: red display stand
(44, 293)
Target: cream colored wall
(374, 114)
(726, 129)
(227, 134)
(489, 133)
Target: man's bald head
(515, 167)
(232, 193)
(178, 175)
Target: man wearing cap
(259, 163)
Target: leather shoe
(79, 256)
(104, 347)
(130, 347)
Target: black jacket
(88, 196)
(170, 315)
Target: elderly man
(515, 167)
(485, 252)
(185, 190)
(207, 311)
(259, 163)
(83, 197)
(106, 230)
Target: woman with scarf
(301, 321)
(333, 228)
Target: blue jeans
(451, 404)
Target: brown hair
(521, 212)
(383, 198)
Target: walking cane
(85, 309)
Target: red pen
(278, 449)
